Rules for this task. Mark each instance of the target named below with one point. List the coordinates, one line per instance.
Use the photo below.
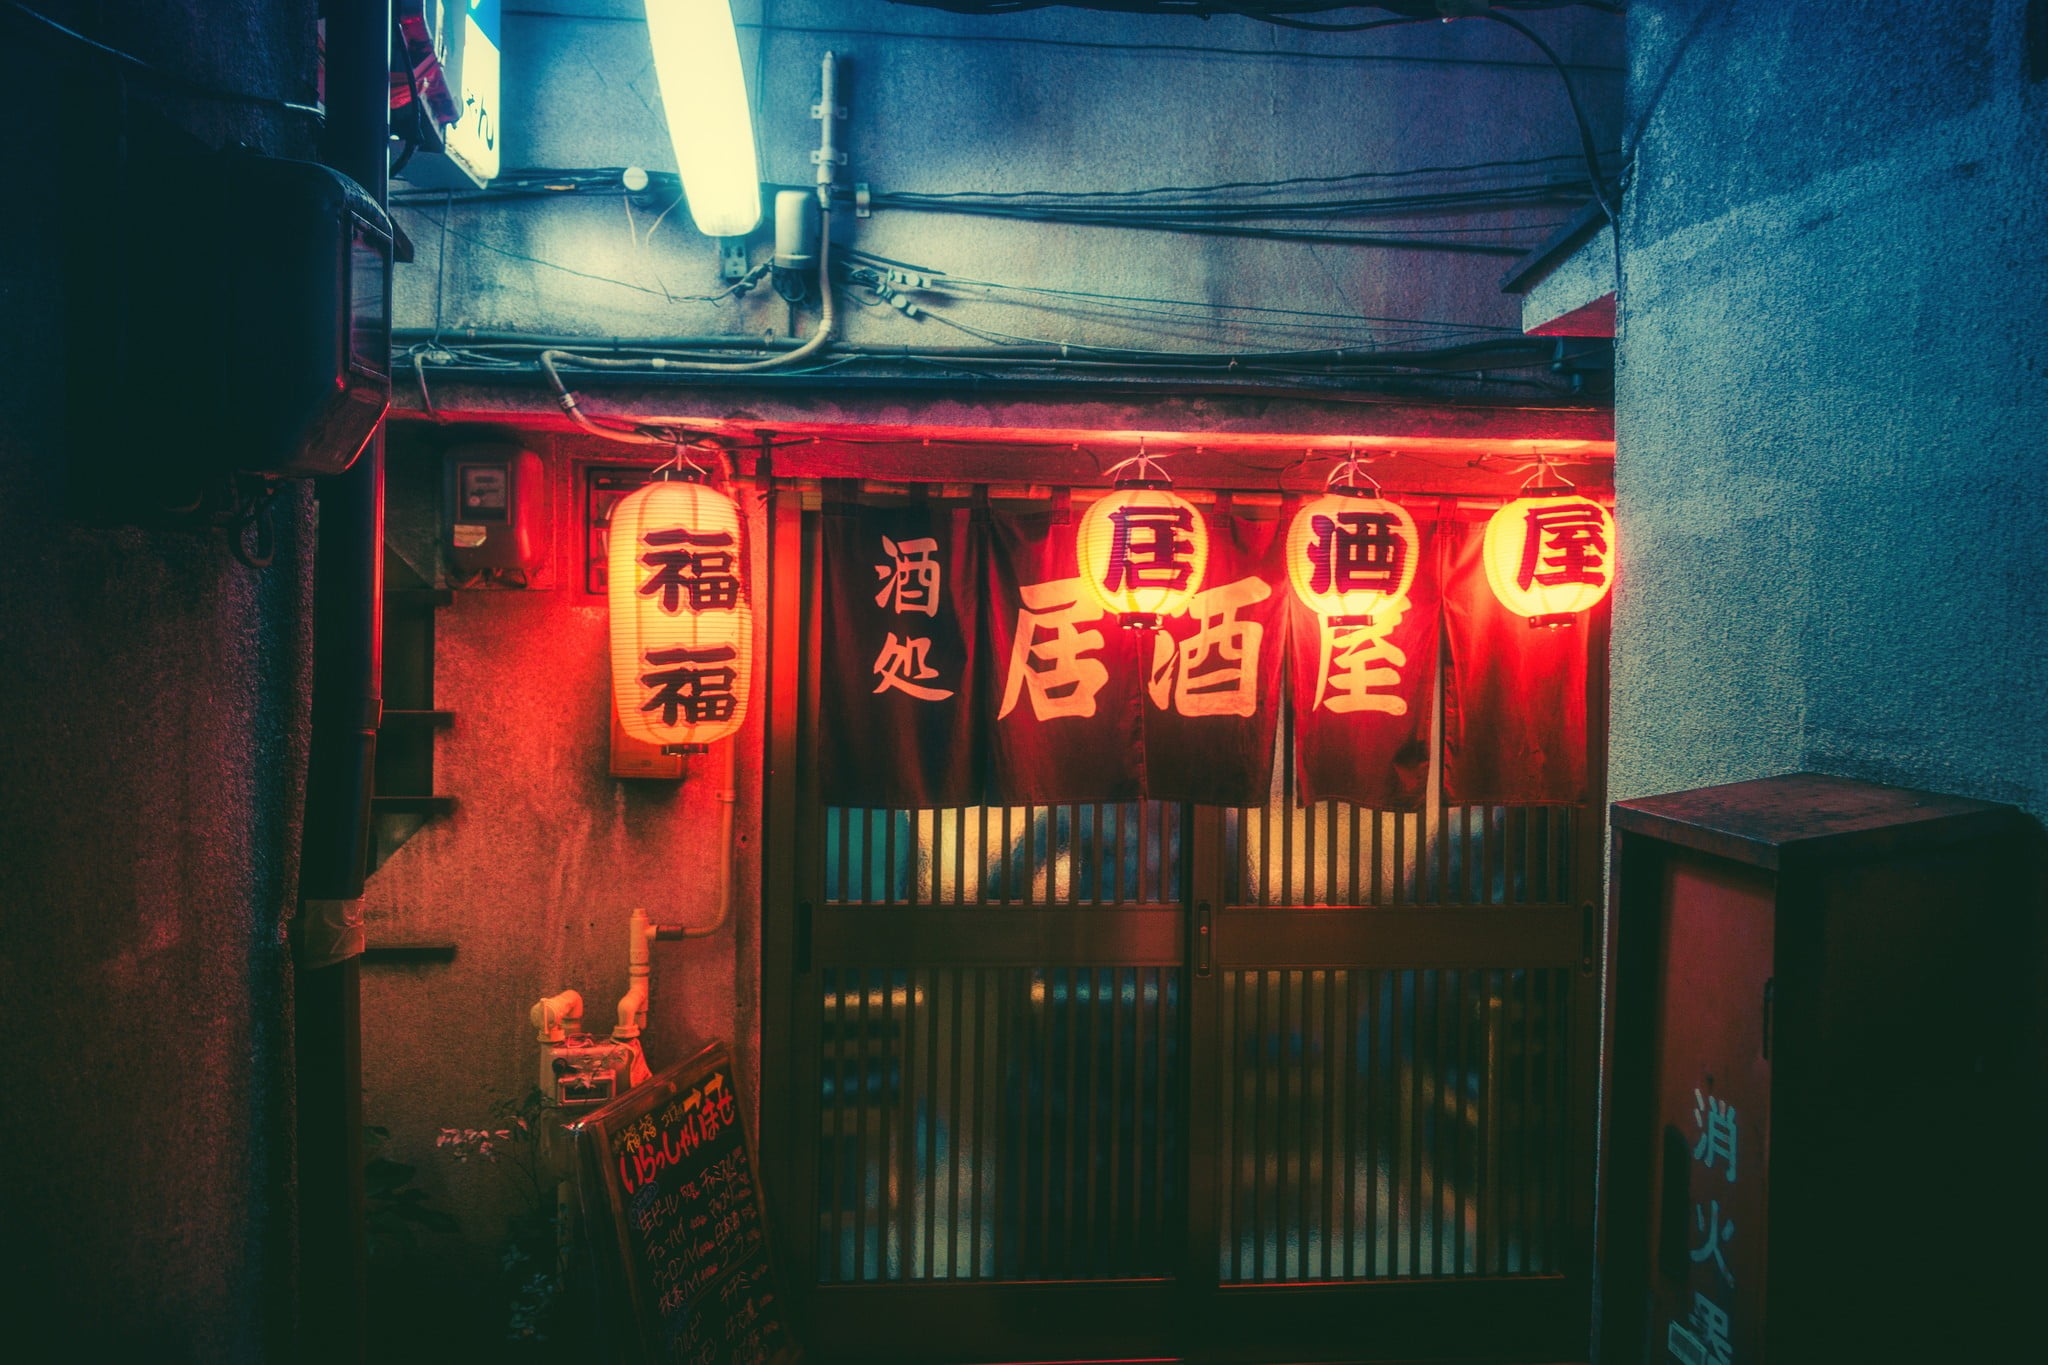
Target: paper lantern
(1550, 555)
(1351, 554)
(682, 631)
(1144, 550)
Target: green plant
(531, 1258)
(395, 1210)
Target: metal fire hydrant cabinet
(1823, 1137)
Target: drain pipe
(347, 705)
(641, 932)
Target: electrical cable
(185, 84)
(1587, 144)
(1505, 353)
(1260, 185)
(1265, 11)
(948, 276)
(1194, 325)
(739, 287)
(1310, 26)
(548, 360)
(1318, 236)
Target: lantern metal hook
(673, 466)
(1348, 471)
(1148, 466)
(1545, 472)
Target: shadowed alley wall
(152, 760)
(1831, 399)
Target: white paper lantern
(682, 631)
(1351, 555)
(1144, 550)
(1550, 555)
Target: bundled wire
(1286, 13)
(1249, 209)
(1266, 11)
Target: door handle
(1205, 954)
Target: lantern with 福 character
(1143, 548)
(1351, 553)
(682, 631)
(1550, 554)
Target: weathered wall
(1063, 100)
(546, 854)
(152, 757)
(1832, 398)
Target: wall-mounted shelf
(439, 720)
(403, 801)
(412, 805)
(407, 954)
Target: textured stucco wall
(152, 758)
(1831, 399)
(534, 874)
(1062, 100)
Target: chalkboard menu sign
(673, 1203)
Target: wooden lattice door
(1148, 1080)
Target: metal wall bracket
(863, 205)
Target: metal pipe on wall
(347, 705)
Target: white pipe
(633, 1004)
(640, 933)
(728, 798)
(551, 1016)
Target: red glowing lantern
(1550, 555)
(1352, 554)
(1144, 550)
(682, 632)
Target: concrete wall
(1063, 100)
(152, 758)
(1832, 399)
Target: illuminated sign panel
(473, 138)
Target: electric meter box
(583, 1072)
(259, 316)
(496, 508)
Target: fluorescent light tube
(704, 95)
